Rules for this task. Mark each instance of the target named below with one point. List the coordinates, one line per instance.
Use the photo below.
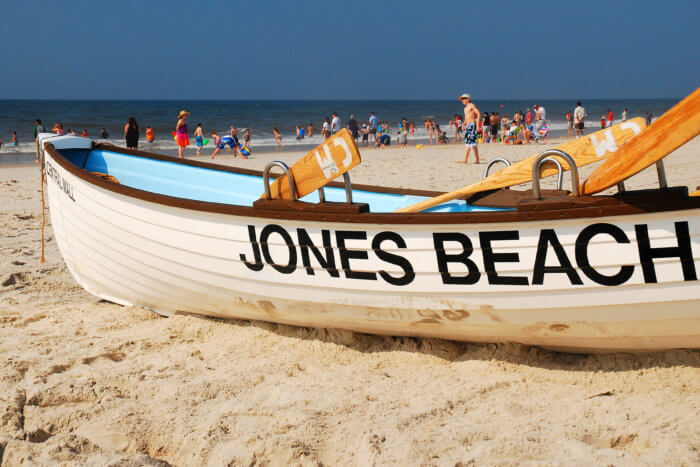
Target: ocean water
(261, 116)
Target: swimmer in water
(199, 138)
(150, 135)
(14, 141)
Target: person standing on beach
(246, 137)
(373, 123)
(540, 117)
(326, 129)
(131, 133)
(624, 115)
(486, 132)
(181, 133)
(353, 128)
(610, 117)
(471, 117)
(310, 130)
(234, 135)
(278, 136)
(199, 138)
(38, 128)
(579, 116)
(335, 123)
(569, 124)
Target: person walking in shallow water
(278, 137)
(471, 117)
(131, 134)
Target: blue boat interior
(205, 184)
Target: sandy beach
(88, 381)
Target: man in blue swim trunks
(471, 117)
(222, 142)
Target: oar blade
(673, 129)
(330, 159)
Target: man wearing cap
(471, 117)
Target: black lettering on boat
(346, 254)
(491, 258)
(327, 262)
(392, 258)
(549, 237)
(683, 250)
(257, 265)
(444, 258)
(291, 265)
(582, 242)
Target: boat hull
(626, 282)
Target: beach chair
(539, 136)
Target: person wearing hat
(181, 133)
(471, 117)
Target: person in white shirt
(540, 116)
(335, 123)
(579, 115)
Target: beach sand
(87, 381)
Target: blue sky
(348, 50)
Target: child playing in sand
(222, 142)
(278, 137)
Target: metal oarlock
(287, 172)
(348, 190)
(348, 187)
(494, 161)
(560, 177)
(537, 164)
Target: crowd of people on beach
(525, 127)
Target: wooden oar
(586, 150)
(671, 130)
(330, 159)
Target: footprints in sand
(105, 358)
(15, 278)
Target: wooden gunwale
(547, 209)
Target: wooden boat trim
(546, 209)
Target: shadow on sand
(453, 351)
